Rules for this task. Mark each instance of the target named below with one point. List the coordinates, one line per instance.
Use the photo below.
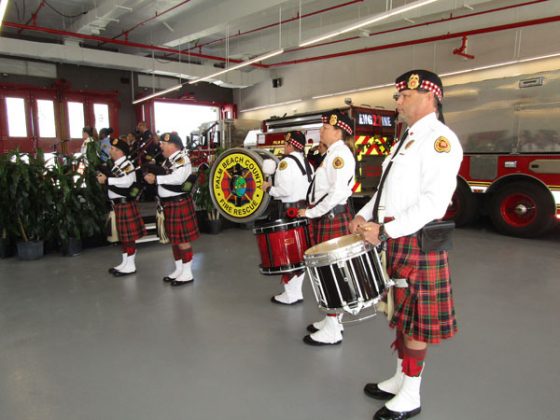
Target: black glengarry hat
(420, 80)
(172, 137)
(339, 120)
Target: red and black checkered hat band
(420, 79)
(425, 85)
(295, 143)
(339, 123)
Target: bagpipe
(153, 168)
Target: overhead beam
(200, 22)
(106, 59)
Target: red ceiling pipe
(119, 42)
(157, 15)
(443, 20)
(462, 50)
(33, 17)
(272, 25)
(423, 40)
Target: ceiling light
(369, 21)
(156, 94)
(238, 66)
(271, 105)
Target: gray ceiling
(212, 32)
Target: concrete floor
(77, 343)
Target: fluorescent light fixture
(505, 63)
(3, 5)
(271, 105)
(238, 66)
(328, 95)
(369, 21)
(156, 94)
(490, 66)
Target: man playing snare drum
(328, 208)
(419, 177)
(291, 182)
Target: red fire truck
(510, 131)
(374, 134)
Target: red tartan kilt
(324, 228)
(424, 310)
(180, 221)
(130, 225)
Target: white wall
(301, 82)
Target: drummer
(419, 178)
(291, 182)
(328, 208)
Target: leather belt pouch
(436, 236)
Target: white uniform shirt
(125, 176)
(335, 178)
(181, 167)
(290, 185)
(422, 179)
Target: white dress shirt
(125, 176)
(422, 179)
(333, 180)
(180, 165)
(290, 185)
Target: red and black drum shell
(282, 244)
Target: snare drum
(282, 244)
(346, 274)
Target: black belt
(341, 208)
(172, 199)
(301, 204)
(121, 200)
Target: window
(17, 122)
(45, 115)
(184, 119)
(76, 119)
(101, 114)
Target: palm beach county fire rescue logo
(236, 185)
(442, 145)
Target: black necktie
(384, 177)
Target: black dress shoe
(168, 279)
(118, 273)
(273, 300)
(312, 329)
(175, 283)
(385, 414)
(112, 270)
(308, 340)
(373, 391)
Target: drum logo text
(236, 185)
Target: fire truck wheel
(522, 209)
(463, 208)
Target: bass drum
(235, 184)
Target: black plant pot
(72, 248)
(214, 226)
(7, 248)
(30, 250)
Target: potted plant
(6, 243)
(80, 203)
(31, 198)
(210, 222)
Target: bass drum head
(235, 184)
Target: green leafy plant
(30, 196)
(201, 193)
(80, 205)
